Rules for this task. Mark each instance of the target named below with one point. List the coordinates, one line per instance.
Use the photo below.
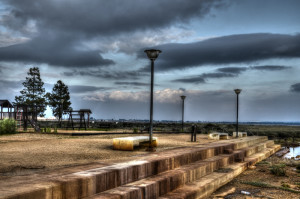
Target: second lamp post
(182, 121)
(152, 55)
(237, 92)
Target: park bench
(128, 143)
(218, 136)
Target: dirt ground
(255, 180)
(29, 153)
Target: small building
(6, 110)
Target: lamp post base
(150, 149)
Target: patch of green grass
(278, 169)
(263, 162)
(288, 189)
(284, 185)
(257, 184)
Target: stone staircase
(186, 172)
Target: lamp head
(183, 97)
(237, 91)
(152, 53)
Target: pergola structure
(77, 119)
(6, 110)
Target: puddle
(294, 152)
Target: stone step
(162, 183)
(165, 182)
(91, 181)
(204, 187)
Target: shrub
(298, 168)
(278, 169)
(47, 130)
(285, 185)
(7, 126)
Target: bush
(7, 126)
(47, 130)
(298, 168)
(278, 169)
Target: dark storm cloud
(101, 17)
(133, 75)
(234, 70)
(195, 80)
(83, 89)
(270, 67)
(54, 51)
(227, 49)
(7, 85)
(295, 88)
(217, 75)
(132, 83)
(58, 28)
(203, 77)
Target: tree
(33, 94)
(59, 99)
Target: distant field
(281, 132)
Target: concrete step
(204, 187)
(162, 183)
(88, 182)
(165, 182)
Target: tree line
(33, 95)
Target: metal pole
(237, 115)
(182, 114)
(151, 106)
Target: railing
(7, 115)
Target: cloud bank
(228, 49)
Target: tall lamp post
(152, 55)
(183, 98)
(237, 92)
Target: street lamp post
(237, 92)
(183, 98)
(152, 55)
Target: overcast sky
(209, 48)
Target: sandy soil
(30, 153)
(27, 153)
(261, 174)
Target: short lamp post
(152, 55)
(182, 121)
(237, 92)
